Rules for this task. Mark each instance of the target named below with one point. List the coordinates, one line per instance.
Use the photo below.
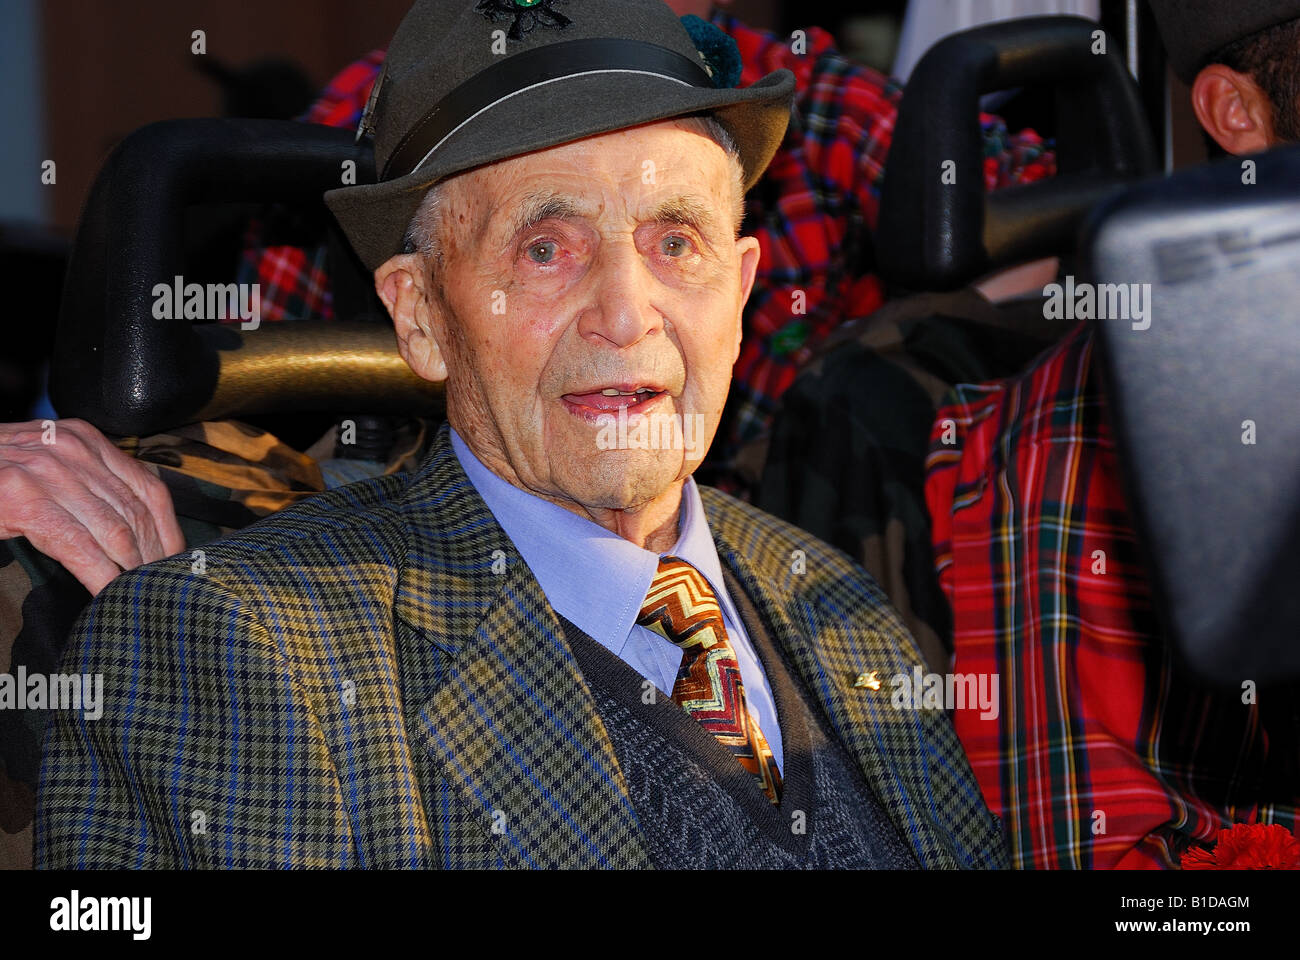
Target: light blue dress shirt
(598, 581)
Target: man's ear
(402, 284)
(749, 251)
(1233, 109)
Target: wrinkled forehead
(626, 174)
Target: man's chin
(622, 479)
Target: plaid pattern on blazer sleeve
(251, 715)
(190, 726)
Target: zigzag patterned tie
(682, 608)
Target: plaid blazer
(374, 678)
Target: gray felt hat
(1195, 30)
(470, 82)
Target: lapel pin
(869, 680)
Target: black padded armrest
(933, 235)
(129, 372)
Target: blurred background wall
(112, 67)
(77, 75)
(22, 111)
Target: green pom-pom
(719, 50)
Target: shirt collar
(592, 577)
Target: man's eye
(543, 251)
(674, 246)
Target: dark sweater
(700, 809)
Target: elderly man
(549, 647)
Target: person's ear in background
(1233, 109)
(1245, 88)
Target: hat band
(523, 72)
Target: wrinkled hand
(83, 502)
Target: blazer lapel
(888, 745)
(494, 695)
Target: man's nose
(620, 311)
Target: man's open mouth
(610, 400)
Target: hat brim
(374, 217)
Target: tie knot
(681, 606)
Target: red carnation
(1248, 846)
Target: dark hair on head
(1271, 58)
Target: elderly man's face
(599, 275)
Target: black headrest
(1203, 403)
(128, 371)
(937, 235)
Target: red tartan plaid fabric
(342, 101)
(815, 209)
(813, 214)
(293, 279)
(1103, 754)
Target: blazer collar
(456, 551)
(827, 655)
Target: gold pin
(868, 680)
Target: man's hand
(81, 501)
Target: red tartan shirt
(813, 213)
(1103, 753)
